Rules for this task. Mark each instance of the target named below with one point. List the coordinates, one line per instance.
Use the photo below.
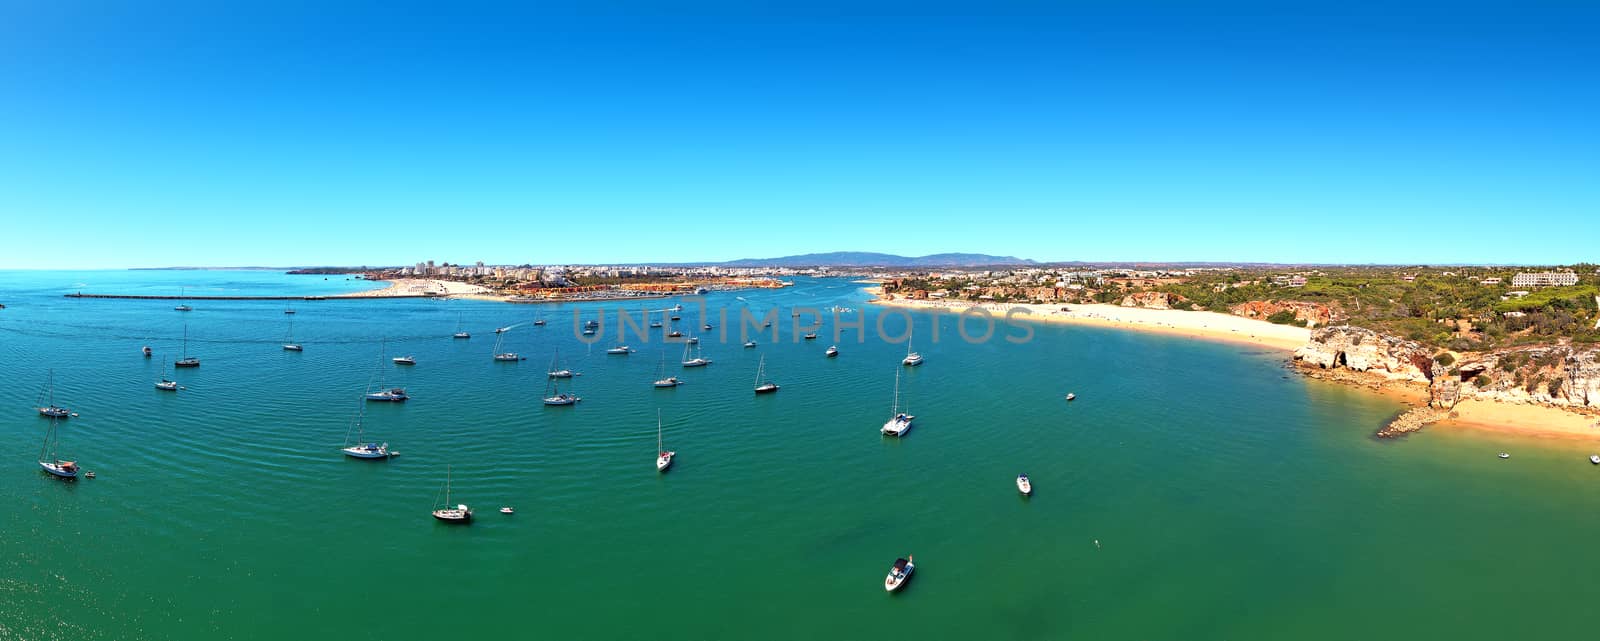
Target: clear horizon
(1400, 134)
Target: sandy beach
(1533, 420)
(1201, 325)
(421, 287)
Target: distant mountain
(873, 259)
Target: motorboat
(622, 350)
(1504, 455)
(811, 336)
(749, 344)
(1594, 458)
(833, 350)
(405, 360)
(1024, 485)
(147, 351)
(507, 510)
(1071, 396)
(899, 574)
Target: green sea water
(1193, 491)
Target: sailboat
(663, 457)
(764, 386)
(442, 511)
(364, 448)
(912, 359)
(665, 381)
(460, 333)
(288, 340)
(50, 409)
(698, 360)
(899, 422)
(385, 394)
(166, 384)
(187, 360)
(50, 461)
(556, 370)
(499, 338)
(553, 394)
(182, 307)
(288, 308)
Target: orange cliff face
(1314, 314)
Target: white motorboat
(833, 350)
(1071, 396)
(899, 574)
(1024, 485)
(405, 360)
(749, 344)
(1504, 455)
(1594, 458)
(622, 350)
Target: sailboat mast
(658, 432)
(896, 409)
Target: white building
(1544, 279)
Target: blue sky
(297, 133)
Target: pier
(334, 297)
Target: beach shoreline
(1530, 420)
(1200, 325)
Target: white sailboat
(50, 461)
(385, 394)
(187, 360)
(899, 422)
(166, 384)
(363, 448)
(444, 512)
(288, 339)
(49, 408)
(698, 360)
(764, 386)
(183, 307)
(556, 370)
(499, 356)
(460, 333)
(661, 379)
(554, 396)
(663, 456)
(912, 359)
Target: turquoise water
(1230, 499)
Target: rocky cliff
(1314, 314)
(1560, 375)
(1364, 350)
(1152, 300)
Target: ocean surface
(1193, 491)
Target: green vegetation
(1447, 308)
(1444, 359)
(1281, 318)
